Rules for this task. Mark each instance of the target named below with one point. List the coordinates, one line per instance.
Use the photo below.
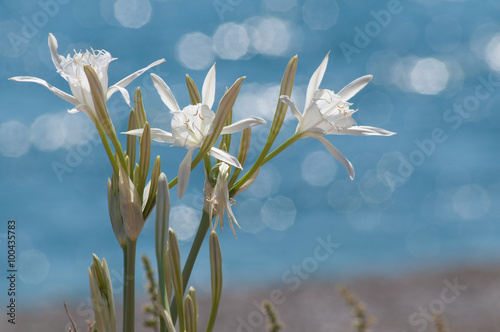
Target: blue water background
(408, 209)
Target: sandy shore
(469, 299)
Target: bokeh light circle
(319, 168)
(373, 189)
(14, 139)
(429, 76)
(249, 221)
(278, 213)
(471, 201)
(33, 266)
(231, 41)
(184, 221)
(344, 196)
(320, 14)
(195, 51)
(48, 132)
(132, 13)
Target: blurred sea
(426, 198)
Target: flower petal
(351, 89)
(242, 124)
(124, 92)
(134, 132)
(165, 93)
(161, 136)
(315, 80)
(184, 173)
(225, 157)
(69, 98)
(127, 80)
(293, 108)
(156, 135)
(336, 153)
(208, 89)
(56, 58)
(365, 131)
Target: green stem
(193, 254)
(282, 147)
(195, 162)
(105, 143)
(118, 150)
(129, 287)
(125, 284)
(262, 160)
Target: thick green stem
(193, 254)
(125, 264)
(129, 287)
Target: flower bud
(130, 206)
(190, 313)
(225, 106)
(115, 212)
(144, 155)
(140, 112)
(175, 264)
(99, 99)
(149, 199)
(101, 291)
(131, 140)
(194, 94)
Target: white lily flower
(72, 70)
(192, 124)
(327, 112)
(220, 201)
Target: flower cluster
(131, 198)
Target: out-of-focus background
(424, 200)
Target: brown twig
(69, 316)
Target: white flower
(220, 201)
(72, 70)
(327, 112)
(192, 124)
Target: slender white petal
(123, 91)
(225, 157)
(315, 80)
(351, 89)
(242, 124)
(156, 135)
(184, 173)
(69, 98)
(337, 154)
(161, 135)
(364, 131)
(56, 58)
(208, 90)
(293, 108)
(127, 80)
(165, 93)
(134, 132)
